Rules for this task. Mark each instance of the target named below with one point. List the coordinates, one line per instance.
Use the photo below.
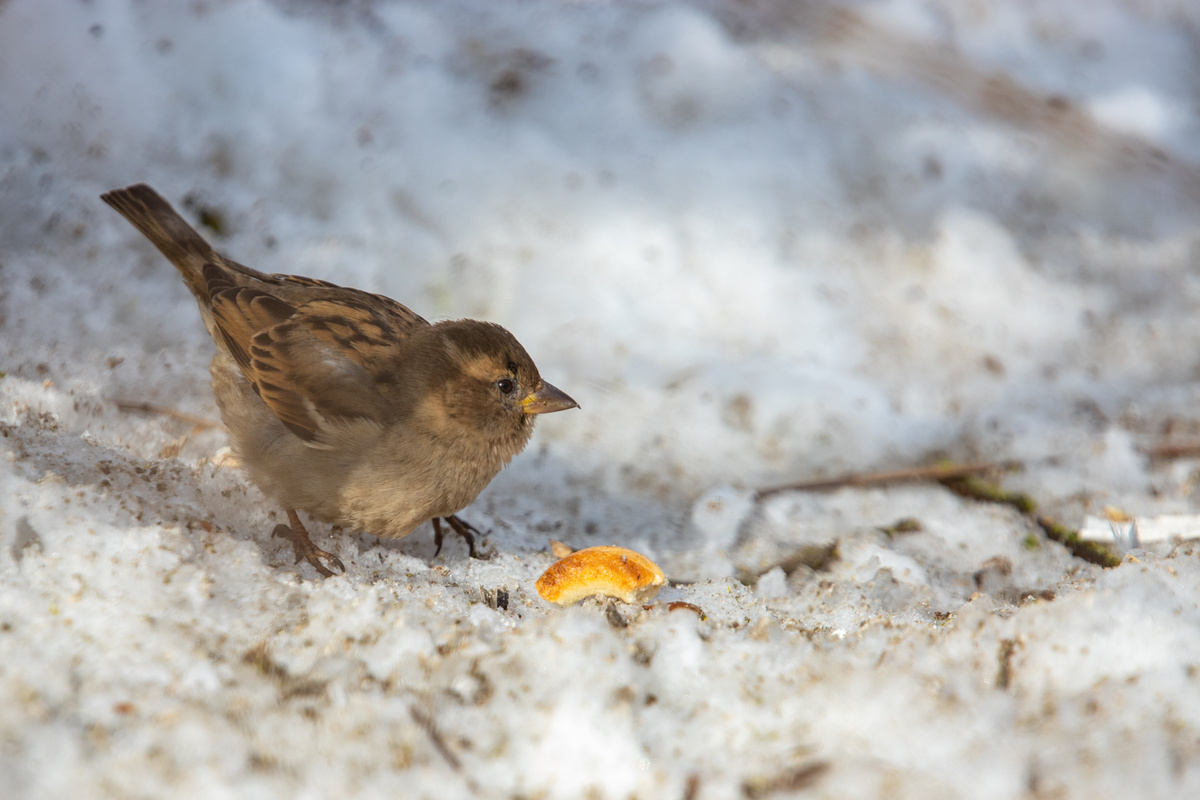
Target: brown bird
(346, 404)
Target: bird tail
(147, 211)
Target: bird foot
(303, 547)
(464, 529)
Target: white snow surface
(759, 242)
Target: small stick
(937, 472)
(1177, 450)
(439, 744)
(151, 408)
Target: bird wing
(313, 351)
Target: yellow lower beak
(547, 400)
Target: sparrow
(347, 405)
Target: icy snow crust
(758, 242)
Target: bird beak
(547, 400)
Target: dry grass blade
(936, 472)
(151, 408)
(1166, 452)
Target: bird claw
(464, 529)
(303, 547)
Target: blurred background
(759, 241)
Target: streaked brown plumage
(346, 404)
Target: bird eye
(506, 385)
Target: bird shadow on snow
(110, 486)
(114, 487)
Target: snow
(758, 242)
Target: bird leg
(303, 547)
(464, 529)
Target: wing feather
(312, 359)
